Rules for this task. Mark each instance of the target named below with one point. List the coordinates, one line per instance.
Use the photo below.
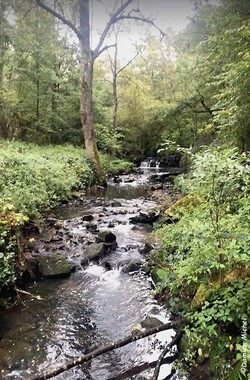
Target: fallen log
(99, 350)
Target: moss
(183, 206)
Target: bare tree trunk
(86, 111)
(86, 66)
(115, 97)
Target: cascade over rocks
(108, 239)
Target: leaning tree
(87, 58)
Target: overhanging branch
(145, 366)
(60, 17)
(112, 21)
(164, 353)
(102, 50)
(142, 19)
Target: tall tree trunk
(37, 70)
(86, 72)
(115, 97)
(86, 67)
(4, 130)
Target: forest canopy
(190, 87)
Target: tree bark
(86, 72)
(115, 97)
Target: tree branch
(127, 64)
(202, 100)
(29, 294)
(99, 350)
(102, 50)
(164, 353)
(113, 19)
(143, 19)
(143, 367)
(26, 13)
(60, 17)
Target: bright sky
(167, 13)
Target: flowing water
(96, 304)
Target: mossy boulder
(54, 266)
(94, 251)
(132, 266)
(108, 239)
(150, 322)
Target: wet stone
(146, 249)
(117, 179)
(146, 268)
(145, 217)
(87, 218)
(150, 322)
(116, 204)
(92, 227)
(106, 237)
(93, 252)
(54, 266)
(133, 266)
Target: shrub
(37, 178)
(10, 224)
(205, 255)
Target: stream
(98, 303)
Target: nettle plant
(206, 254)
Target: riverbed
(98, 303)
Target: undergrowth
(204, 262)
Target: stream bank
(101, 300)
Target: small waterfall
(150, 163)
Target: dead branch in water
(99, 350)
(164, 353)
(28, 294)
(143, 367)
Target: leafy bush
(114, 166)
(205, 255)
(10, 224)
(36, 178)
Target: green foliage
(40, 81)
(10, 223)
(114, 166)
(108, 141)
(205, 255)
(36, 178)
